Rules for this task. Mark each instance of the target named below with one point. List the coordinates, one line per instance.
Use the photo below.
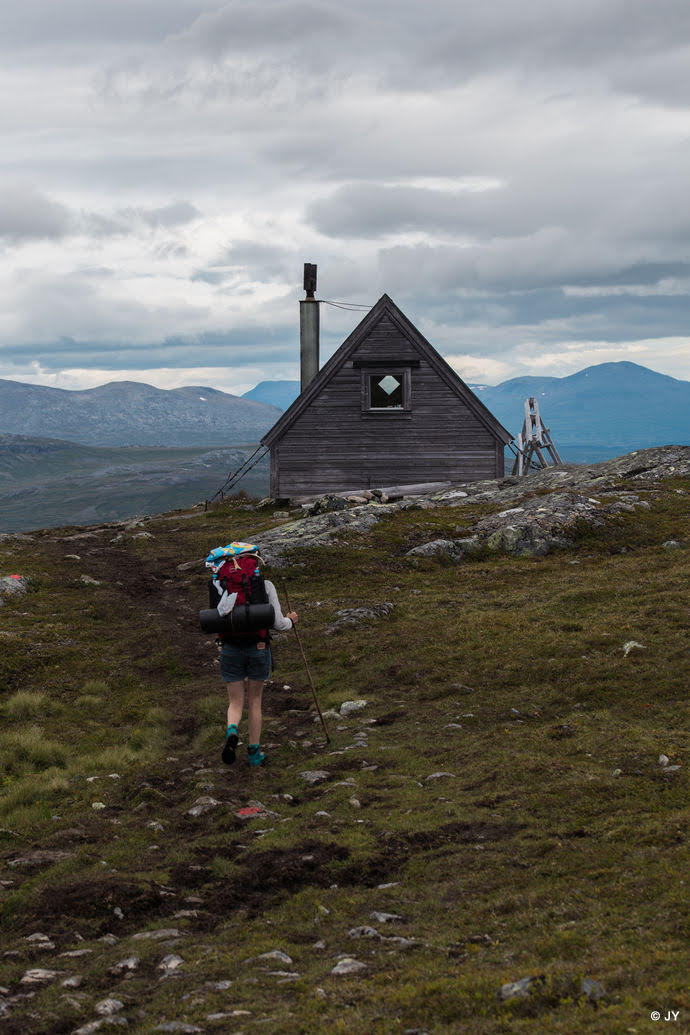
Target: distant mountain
(602, 411)
(276, 393)
(126, 413)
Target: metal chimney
(309, 329)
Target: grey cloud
(27, 214)
(209, 277)
(593, 200)
(41, 23)
(241, 345)
(623, 44)
(372, 210)
(95, 225)
(276, 47)
(127, 220)
(243, 26)
(264, 262)
(639, 274)
(239, 53)
(497, 322)
(543, 260)
(560, 32)
(84, 307)
(175, 214)
(663, 78)
(615, 318)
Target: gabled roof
(385, 307)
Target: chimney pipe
(309, 329)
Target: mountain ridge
(132, 413)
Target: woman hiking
(245, 659)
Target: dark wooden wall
(333, 446)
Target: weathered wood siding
(333, 446)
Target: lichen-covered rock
(39, 976)
(359, 616)
(159, 935)
(363, 932)
(13, 586)
(274, 956)
(348, 966)
(435, 548)
(125, 966)
(329, 503)
(170, 964)
(519, 989)
(314, 775)
(350, 707)
(523, 542)
(471, 546)
(107, 1007)
(41, 857)
(316, 530)
(203, 804)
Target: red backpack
(241, 575)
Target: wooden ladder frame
(533, 442)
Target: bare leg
(255, 688)
(235, 702)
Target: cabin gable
(386, 409)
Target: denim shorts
(236, 663)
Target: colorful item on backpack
(217, 558)
(222, 553)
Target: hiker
(245, 660)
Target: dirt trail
(170, 601)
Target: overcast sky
(514, 174)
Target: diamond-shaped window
(389, 384)
(386, 392)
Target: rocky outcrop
(317, 530)
(537, 514)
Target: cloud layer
(514, 176)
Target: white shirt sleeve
(281, 623)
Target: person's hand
(292, 615)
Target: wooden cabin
(386, 409)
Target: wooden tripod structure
(533, 442)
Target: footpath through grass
(496, 812)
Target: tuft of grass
(30, 750)
(26, 704)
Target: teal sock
(255, 755)
(232, 728)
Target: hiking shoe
(231, 742)
(255, 755)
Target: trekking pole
(311, 681)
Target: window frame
(402, 371)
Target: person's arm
(282, 622)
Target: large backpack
(235, 571)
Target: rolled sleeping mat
(242, 619)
